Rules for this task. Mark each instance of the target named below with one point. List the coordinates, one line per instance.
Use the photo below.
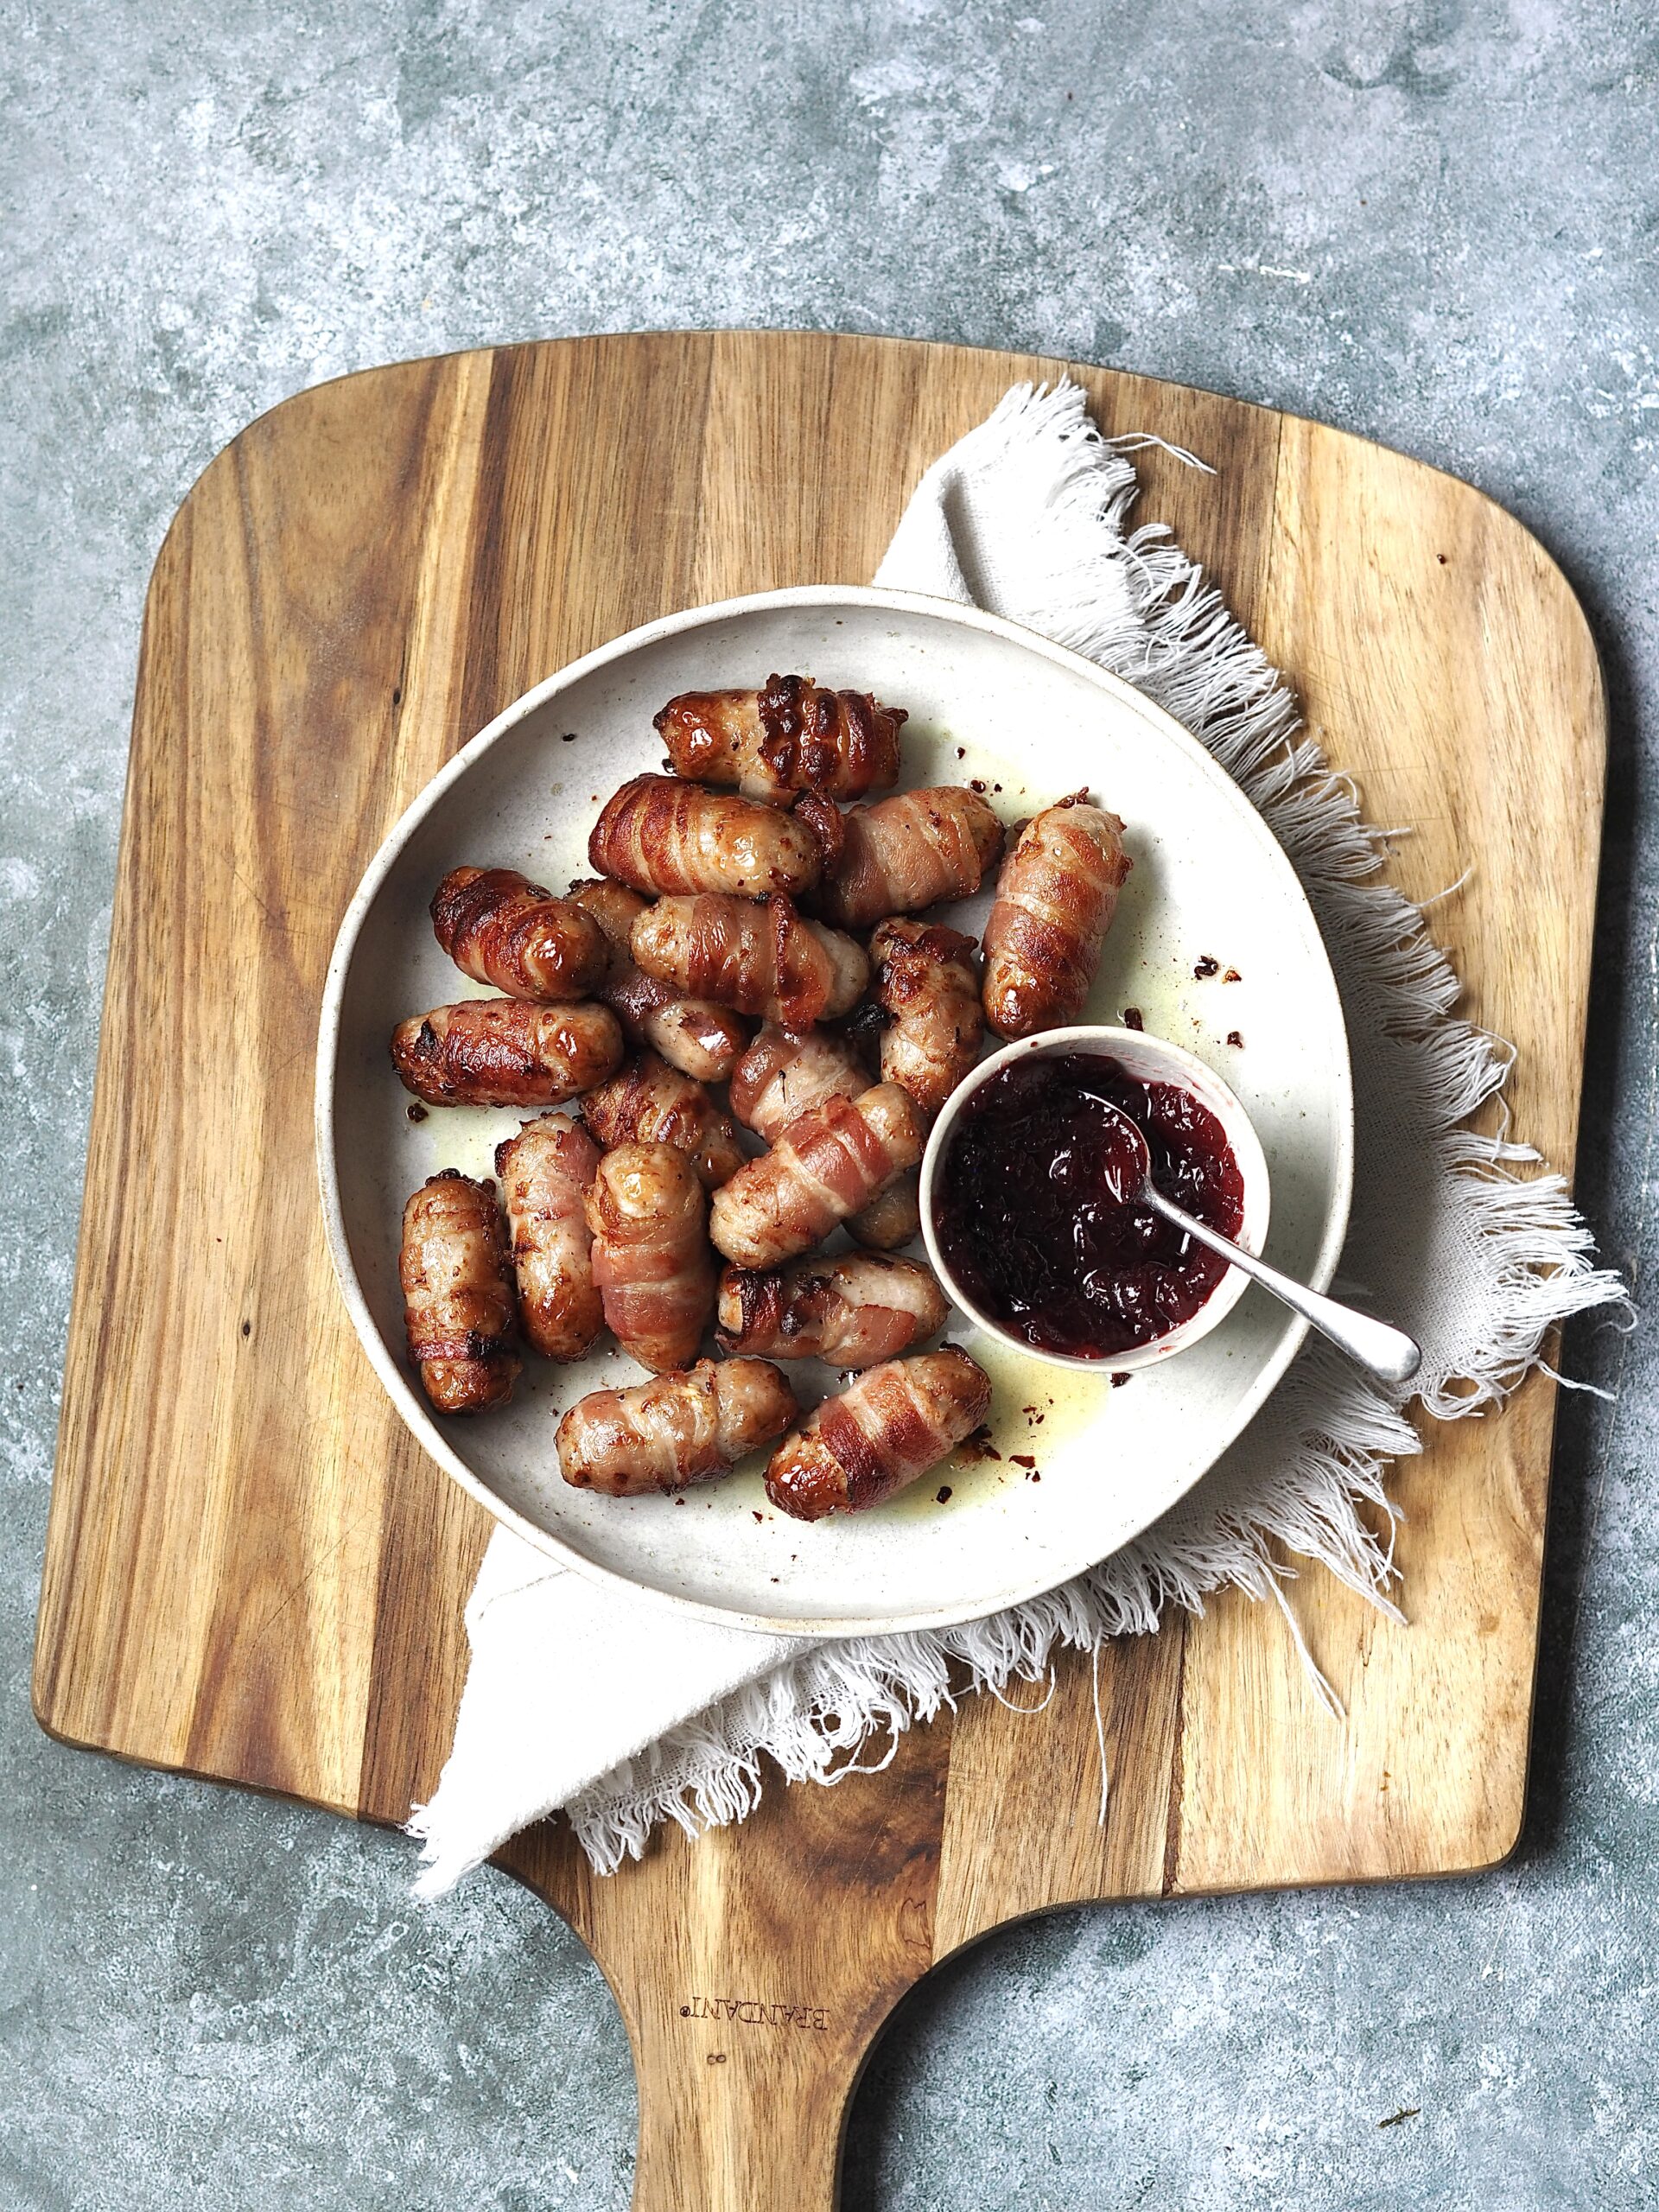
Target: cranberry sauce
(1031, 1216)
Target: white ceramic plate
(986, 701)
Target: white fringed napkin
(1025, 517)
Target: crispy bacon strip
(674, 1430)
(892, 1426)
(458, 1302)
(695, 1035)
(826, 1164)
(909, 852)
(505, 1053)
(661, 834)
(927, 984)
(546, 1171)
(501, 929)
(852, 1310)
(1054, 903)
(893, 1219)
(760, 958)
(792, 736)
(652, 1261)
(650, 1102)
(788, 1072)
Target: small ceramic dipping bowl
(1145, 1059)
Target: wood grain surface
(253, 1573)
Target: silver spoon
(1388, 1353)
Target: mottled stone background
(1436, 224)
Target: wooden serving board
(252, 1573)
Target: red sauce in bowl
(1030, 1214)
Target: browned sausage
(660, 834)
(826, 1164)
(674, 1430)
(910, 852)
(650, 1102)
(761, 959)
(695, 1035)
(787, 1072)
(892, 1426)
(500, 928)
(458, 1303)
(505, 1053)
(926, 983)
(546, 1171)
(652, 1261)
(852, 1310)
(1054, 903)
(792, 736)
(893, 1218)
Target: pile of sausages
(731, 893)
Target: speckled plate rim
(407, 1404)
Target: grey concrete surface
(1437, 224)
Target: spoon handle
(1388, 1353)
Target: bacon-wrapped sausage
(926, 983)
(674, 1430)
(852, 1310)
(826, 1164)
(660, 834)
(695, 1035)
(1054, 903)
(505, 1053)
(909, 852)
(788, 1072)
(546, 1171)
(458, 1302)
(893, 1218)
(650, 1102)
(892, 1426)
(652, 1261)
(500, 928)
(792, 736)
(761, 959)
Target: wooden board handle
(754, 1969)
(743, 2113)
